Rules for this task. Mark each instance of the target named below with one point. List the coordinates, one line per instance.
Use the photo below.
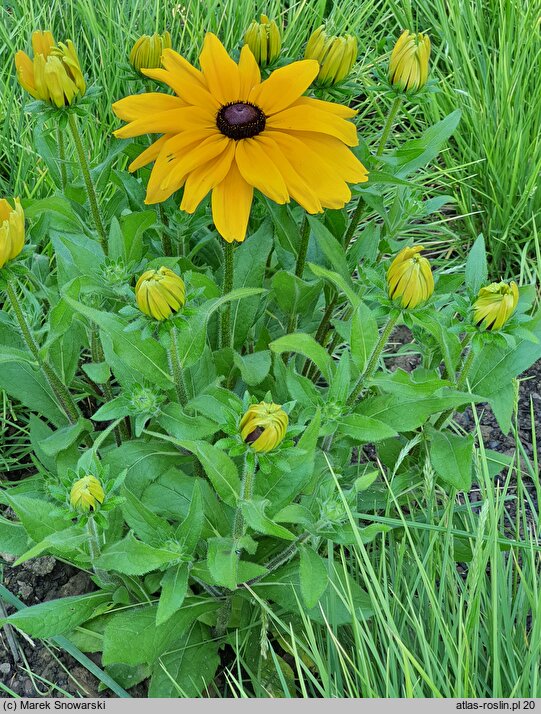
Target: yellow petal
(191, 82)
(195, 156)
(250, 76)
(150, 154)
(298, 119)
(340, 110)
(169, 122)
(220, 72)
(140, 105)
(336, 155)
(231, 204)
(258, 169)
(205, 177)
(284, 86)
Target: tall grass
(488, 57)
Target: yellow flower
(264, 426)
(495, 304)
(11, 230)
(409, 277)
(54, 75)
(263, 38)
(228, 132)
(336, 55)
(86, 493)
(160, 293)
(408, 67)
(147, 51)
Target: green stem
(388, 125)
(176, 368)
(461, 381)
(87, 178)
(61, 392)
(225, 336)
(303, 248)
(280, 559)
(122, 432)
(61, 157)
(167, 247)
(374, 359)
(94, 547)
(246, 493)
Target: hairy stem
(61, 158)
(61, 392)
(461, 381)
(167, 248)
(176, 368)
(121, 432)
(303, 248)
(87, 178)
(280, 559)
(388, 125)
(225, 332)
(374, 359)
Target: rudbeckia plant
(213, 416)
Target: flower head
(408, 67)
(410, 278)
(336, 55)
(11, 230)
(147, 51)
(228, 132)
(264, 426)
(87, 493)
(160, 293)
(495, 304)
(54, 74)
(264, 40)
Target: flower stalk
(460, 383)
(87, 178)
(167, 247)
(61, 158)
(388, 125)
(374, 359)
(176, 368)
(61, 392)
(303, 248)
(225, 333)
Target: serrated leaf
(174, 588)
(133, 557)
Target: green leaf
(65, 437)
(331, 248)
(12, 354)
(174, 588)
(132, 636)
(254, 515)
(220, 469)
(223, 561)
(476, 266)
(416, 153)
(313, 576)
(189, 531)
(364, 335)
(305, 345)
(338, 281)
(294, 295)
(177, 423)
(98, 372)
(133, 557)
(29, 387)
(63, 542)
(57, 616)
(144, 355)
(146, 524)
(253, 367)
(190, 668)
(452, 458)
(13, 537)
(39, 517)
(361, 428)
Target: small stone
(5, 668)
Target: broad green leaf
(61, 542)
(293, 294)
(13, 537)
(313, 576)
(338, 281)
(182, 426)
(476, 266)
(331, 248)
(223, 561)
(361, 428)
(452, 458)
(364, 335)
(189, 531)
(416, 153)
(12, 354)
(305, 345)
(190, 668)
(220, 469)
(146, 524)
(174, 588)
(254, 514)
(26, 385)
(133, 557)
(253, 367)
(39, 517)
(65, 437)
(56, 617)
(132, 636)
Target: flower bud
(410, 278)
(11, 230)
(160, 293)
(147, 51)
(54, 74)
(87, 493)
(264, 40)
(336, 56)
(408, 67)
(264, 426)
(495, 304)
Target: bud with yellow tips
(495, 305)
(54, 74)
(264, 40)
(11, 230)
(87, 493)
(264, 426)
(147, 51)
(410, 278)
(408, 67)
(336, 56)
(160, 293)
